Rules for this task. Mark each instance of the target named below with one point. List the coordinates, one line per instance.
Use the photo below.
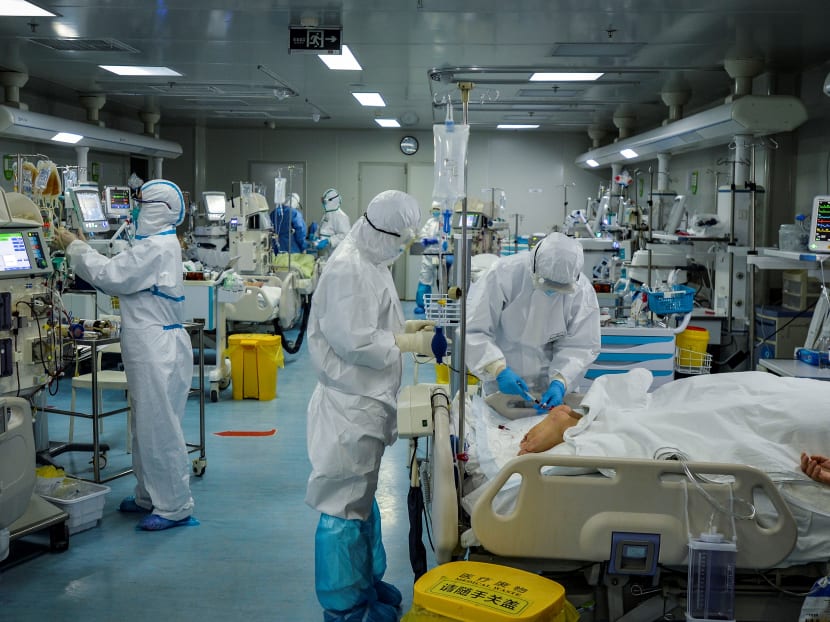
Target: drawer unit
(624, 349)
(779, 331)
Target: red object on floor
(247, 433)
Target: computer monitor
(117, 201)
(13, 253)
(22, 252)
(90, 210)
(819, 240)
(474, 220)
(214, 203)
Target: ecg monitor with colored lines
(819, 241)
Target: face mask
(436, 214)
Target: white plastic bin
(83, 501)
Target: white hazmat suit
(540, 333)
(355, 317)
(156, 349)
(335, 223)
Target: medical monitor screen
(118, 202)
(214, 205)
(819, 240)
(13, 255)
(90, 205)
(473, 220)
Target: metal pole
(465, 88)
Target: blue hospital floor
(252, 556)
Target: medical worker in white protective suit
(356, 334)
(533, 323)
(155, 349)
(429, 264)
(335, 223)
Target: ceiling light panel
(135, 70)
(565, 76)
(517, 126)
(345, 61)
(370, 99)
(387, 122)
(21, 8)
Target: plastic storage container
(254, 362)
(711, 580)
(83, 501)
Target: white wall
(530, 167)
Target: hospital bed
(572, 517)
(281, 300)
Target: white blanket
(751, 418)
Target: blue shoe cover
(128, 504)
(380, 612)
(418, 310)
(388, 594)
(154, 522)
(353, 615)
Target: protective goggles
(151, 201)
(407, 236)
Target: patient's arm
(550, 431)
(816, 467)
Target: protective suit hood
(389, 213)
(557, 263)
(162, 208)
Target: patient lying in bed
(749, 418)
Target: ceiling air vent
(83, 45)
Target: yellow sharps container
(487, 593)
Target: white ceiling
(234, 53)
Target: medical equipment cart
(99, 449)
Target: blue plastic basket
(680, 300)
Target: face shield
(160, 208)
(331, 200)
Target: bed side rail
(573, 517)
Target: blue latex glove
(512, 383)
(322, 244)
(450, 259)
(429, 241)
(552, 397)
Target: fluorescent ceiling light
(516, 126)
(592, 163)
(134, 70)
(21, 8)
(560, 76)
(345, 61)
(628, 153)
(387, 122)
(66, 137)
(369, 99)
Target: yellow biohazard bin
(691, 349)
(487, 593)
(254, 362)
(442, 375)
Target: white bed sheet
(751, 418)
